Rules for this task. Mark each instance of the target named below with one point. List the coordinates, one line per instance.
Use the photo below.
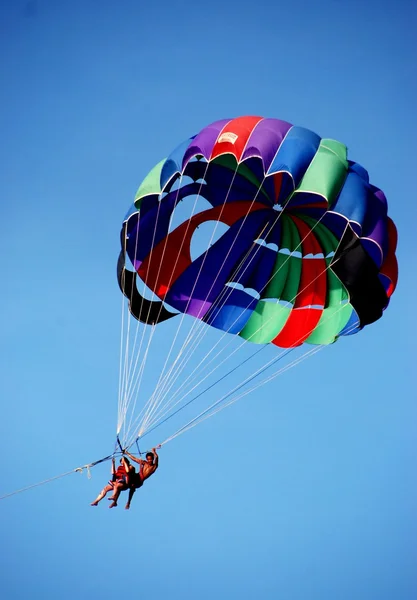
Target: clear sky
(305, 490)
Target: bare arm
(128, 467)
(113, 466)
(139, 461)
(156, 461)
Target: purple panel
(375, 227)
(265, 140)
(204, 141)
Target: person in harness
(121, 479)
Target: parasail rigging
(256, 235)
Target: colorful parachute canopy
(309, 252)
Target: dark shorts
(136, 481)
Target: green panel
(278, 277)
(336, 291)
(151, 184)
(332, 321)
(327, 240)
(292, 282)
(265, 323)
(327, 171)
(285, 278)
(290, 236)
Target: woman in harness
(121, 480)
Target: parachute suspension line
(206, 414)
(154, 400)
(138, 381)
(124, 356)
(282, 370)
(123, 403)
(189, 380)
(166, 408)
(133, 352)
(160, 421)
(127, 369)
(209, 412)
(120, 416)
(135, 377)
(137, 446)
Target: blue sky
(306, 489)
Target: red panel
(318, 204)
(298, 327)
(169, 259)
(390, 266)
(312, 292)
(234, 137)
(277, 185)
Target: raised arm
(139, 461)
(156, 460)
(113, 466)
(128, 467)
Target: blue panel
(256, 268)
(235, 314)
(352, 326)
(296, 153)
(352, 201)
(173, 163)
(225, 185)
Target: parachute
(301, 252)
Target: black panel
(360, 275)
(146, 311)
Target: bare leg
(115, 497)
(102, 494)
(129, 500)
